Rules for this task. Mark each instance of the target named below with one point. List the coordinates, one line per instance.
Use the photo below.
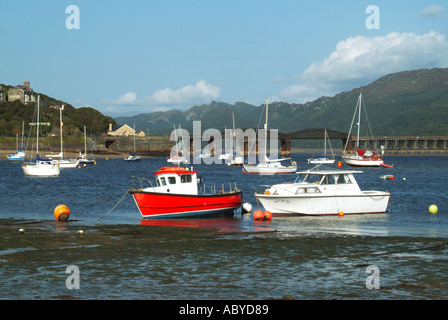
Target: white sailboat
(236, 159)
(63, 163)
(179, 156)
(19, 155)
(41, 167)
(323, 159)
(133, 157)
(228, 155)
(82, 157)
(359, 157)
(268, 166)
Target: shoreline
(116, 155)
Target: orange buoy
(339, 164)
(341, 214)
(61, 212)
(267, 215)
(267, 192)
(258, 215)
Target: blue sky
(132, 57)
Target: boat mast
(23, 129)
(233, 134)
(325, 143)
(134, 138)
(85, 142)
(38, 104)
(266, 132)
(359, 119)
(60, 113)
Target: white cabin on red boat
(176, 180)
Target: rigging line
(114, 206)
(258, 125)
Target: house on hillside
(2, 95)
(23, 93)
(124, 130)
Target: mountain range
(408, 103)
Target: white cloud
(433, 11)
(200, 92)
(359, 60)
(163, 99)
(129, 98)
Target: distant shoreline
(72, 155)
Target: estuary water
(402, 254)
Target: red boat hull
(153, 205)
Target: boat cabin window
(172, 180)
(162, 182)
(185, 178)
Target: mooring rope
(114, 206)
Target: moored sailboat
(82, 157)
(40, 167)
(270, 166)
(360, 157)
(324, 159)
(133, 157)
(19, 155)
(59, 158)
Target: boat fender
(267, 192)
(247, 207)
(267, 215)
(258, 215)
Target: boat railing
(140, 183)
(212, 189)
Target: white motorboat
(322, 192)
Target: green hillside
(13, 114)
(405, 103)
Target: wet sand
(172, 263)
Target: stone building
(23, 93)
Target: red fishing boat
(177, 195)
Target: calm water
(123, 257)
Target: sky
(125, 58)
